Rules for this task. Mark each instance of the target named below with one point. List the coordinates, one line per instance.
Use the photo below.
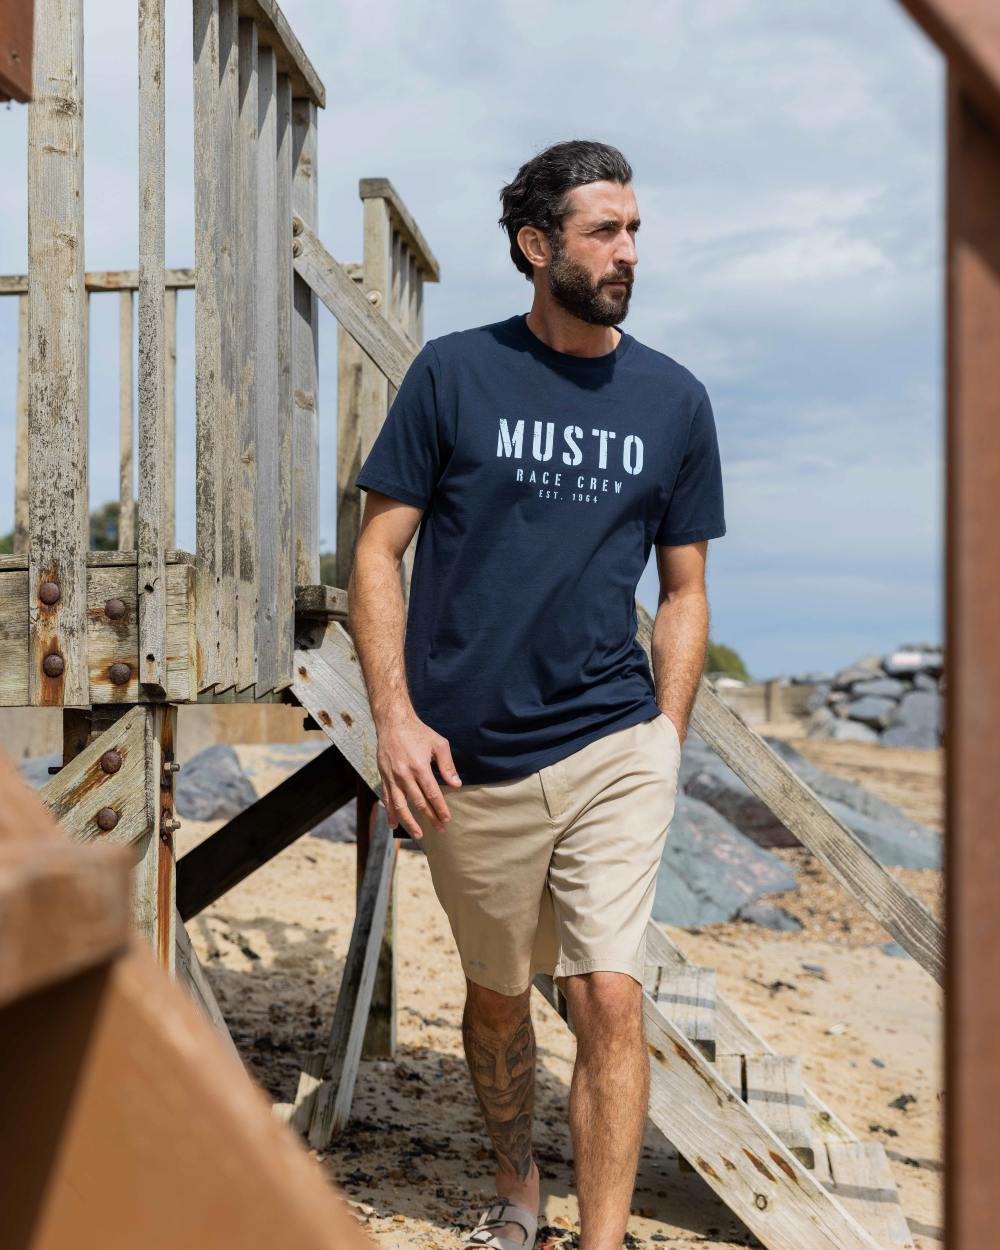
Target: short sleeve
(695, 509)
(405, 459)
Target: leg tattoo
(503, 1073)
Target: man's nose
(625, 253)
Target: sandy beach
(415, 1161)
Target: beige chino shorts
(555, 872)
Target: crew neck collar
(567, 359)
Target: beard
(574, 290)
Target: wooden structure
(119, 639)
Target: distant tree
(327, 568)
(720, 659)
(103, 530)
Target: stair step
(686, 996)
(862, 1183)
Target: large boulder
(873, 710)
(709, 870)
(213, 786)
(883, 687)
(916, 721)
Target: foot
(525, 1193)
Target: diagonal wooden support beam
(801, 811)
(375, 332)
(263, 830)
(322, 1109)
(192, 976)
(779, 1200)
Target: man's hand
(406, 748)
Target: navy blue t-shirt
(545, 478)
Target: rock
(916, 721)
(770, 916)
(883, 687)
(907, 660)
(895, 950)
(852, 731)
(709, 870)
(820, 722)
(35, 770)
(818, 697)
(862, 671)
(924, 681)
(339, 826)
(871, 710)
(213, 786)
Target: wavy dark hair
(537, 196)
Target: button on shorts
(555, 872)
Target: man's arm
(680, 630)
(377, 624)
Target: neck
(563, 332)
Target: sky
(789, 164)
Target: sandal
(502, 1211)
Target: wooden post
(246, 331)
(285, 640)
(21, 451)
(305, 356)
(126, 506)
(57, 413)
(150, 542)
(170, 422)
(154, 905)
(266, 371)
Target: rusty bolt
(107, 818)
(49, 593)
(171, 766)
(114, 609)
(170, 825)
(111, 761)
(120, 673)
(54, 665)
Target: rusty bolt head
(171, 766)
(107, 818)
(170, 825)
(49, 593)
(54, 665)
(114, 609)
(120, 673)
(111, 761)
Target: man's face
(593, 263)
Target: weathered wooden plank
(227, 158)
(305, 355)
(388, 347)
(801, 811)
(382, 189)
(104, 280)
(57, 413)
(321, 601)
(263, 830)
(275, 33)
(192, 976)
(329, 1104)
(266, 371)
(246, 330)
(170, 421)
(20, 543)
(350, 370)
(283, 520)
(111, 640)
(207, 339)
(774, 1091)
(151, 540)
(154, 906)
(97, 797)
(687, 995)
(864, 1184)
(126, 498)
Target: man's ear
(534, 245)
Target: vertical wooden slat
(266, 371)
(126, 510)
(21, 452)
(411, 287)
(170, 420)
(972, 660)
(305, 356)
(285, 640)
(227, 165)
(350, 363)
(57, 412)
(151, 567)
(246, 329)
(207, 346)
(154, 879)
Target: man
(542, 457)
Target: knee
(492, 1010)
(604, 1006)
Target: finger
(432, 793)
(446, 765)
(406, 818)
(417, 799)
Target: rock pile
(894, 700)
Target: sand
(415, 1161)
